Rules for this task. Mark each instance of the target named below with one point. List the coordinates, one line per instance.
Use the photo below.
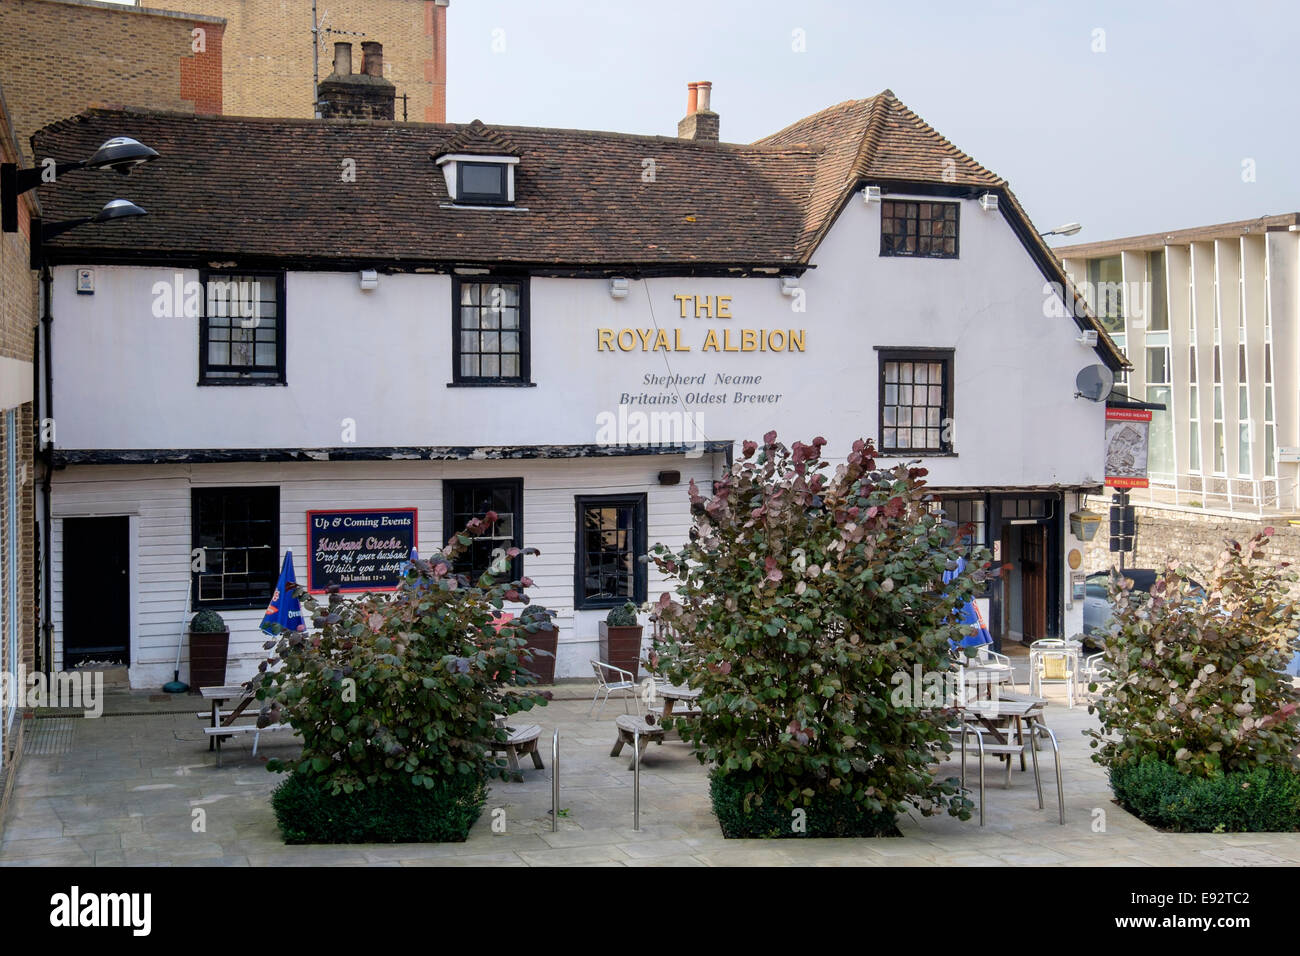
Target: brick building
(18, 584)
(59, 56)
(268, 60)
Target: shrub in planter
(741, 816)
(805, 600)
(1199, 680)
(395, 691)
(209, 641)
(620, 639)
(308, 812)
(1265, 799)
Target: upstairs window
(490, 331)
(924, 229)
(241, 331)
(482, 184)
(916, 401)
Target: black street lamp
(121, 154)
(43, 232)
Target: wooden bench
(521, 741)
(230, 730)
(628, 726)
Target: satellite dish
(1094, 383)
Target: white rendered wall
(125, 379)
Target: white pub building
(341, 338)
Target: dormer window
(482, 183)
(478, 166)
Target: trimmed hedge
(307, 812)
(830, 815)
(1264, 800)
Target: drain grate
(48, 738)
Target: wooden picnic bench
(520, 742)
(628, 727)
(221, 732)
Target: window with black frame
(490, 332)
(611, 540)
(241, 331)
(237, 534)
(916, 401)
(465, 500)
(922, 229)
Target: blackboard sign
(358, 550)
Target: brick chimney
(364, 95)
(435, 68)
(700, 122)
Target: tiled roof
(477, 139)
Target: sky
(1128, 117)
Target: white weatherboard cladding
(157, 497)
(126, 379)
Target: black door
(96, 591)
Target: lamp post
(121, 154)
(43, 232)
(1069, 229)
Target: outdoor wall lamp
(789, 285)
(989, 202)
(44, 232)
(121, 153)
(1088, 338)
(369, 279)
(871, 194)
(618, 287)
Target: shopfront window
(236, 532)
(464, 501)
(611, 541)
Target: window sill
(916, 454)
(501, 384)
(203, 382)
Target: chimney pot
(372, 58)
(343, 59)
(692, 98)
(705, 89)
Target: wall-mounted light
(369, 280)
(789, 285)
(120, 154)
(871, 194)
(618, 287)
(989, 202)
(1088, 338)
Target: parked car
(1097, 609)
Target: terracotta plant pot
(208, 653)
(621, 646)
(543, 665)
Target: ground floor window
(236, 534)
(611, 541)
(464, 500)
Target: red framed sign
(359, 550)
(1128, 432)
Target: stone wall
(1192, 536)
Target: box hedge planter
(620, 639)
(835, 815)
(209, 640)
(307, 812)
(1262, 800)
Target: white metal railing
(1255, 496)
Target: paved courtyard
(139, 787)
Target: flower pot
(621, 646)
(1084, 524)
(543, 665)
(208, 653)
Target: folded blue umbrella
(968, 615)
(284, 608)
